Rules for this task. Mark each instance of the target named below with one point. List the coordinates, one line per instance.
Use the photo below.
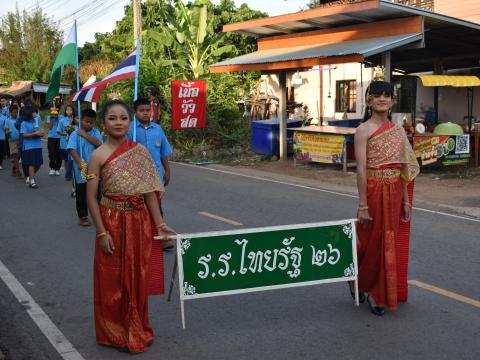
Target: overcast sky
(107, 12)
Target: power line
(93, 15)
(81, 10)
(89, 13)
(37, 4)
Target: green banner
(232, 262)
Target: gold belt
(119, 205)
(387, 173)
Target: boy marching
(151, 135)
(81, 144)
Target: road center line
(219, 218)
(41, 319)
(446, 293)
(320, 190)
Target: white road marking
(219, 218)
(46, 326)
(320, 189)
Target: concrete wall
(309, 92)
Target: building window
(346, 96)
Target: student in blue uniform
(66, 125)
(81, 144)
(3, 142)
(54, 156)
(4, 107)
(151, 135)
(32, 132)
(13, 136)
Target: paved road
(51, 256)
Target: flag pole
(77, 68)
(135, 95)
(78, 88)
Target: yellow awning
(449, 80)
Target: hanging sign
(189, 104)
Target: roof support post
(387, 63)
(282, 113)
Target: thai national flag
(125, 70)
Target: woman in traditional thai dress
(128, 181)
(386, 164)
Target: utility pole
(137, 20)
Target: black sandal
(377, 310)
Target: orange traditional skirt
(121, 280)
(377, 242)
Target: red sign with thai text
(189, 104)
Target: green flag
(67, 56)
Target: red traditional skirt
(121, 280)
(377, 242)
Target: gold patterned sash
(135, 203)
(387, 173)
(392, 147)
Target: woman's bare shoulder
(363, 129)
(101, 154)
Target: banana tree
(190, 39)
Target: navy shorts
(32, 157)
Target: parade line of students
(71, 142)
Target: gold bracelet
(363, 208)
(162, 225)
(102, 234)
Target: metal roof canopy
(453, 42)
(329, 53)
(43, 88)
(18, 88)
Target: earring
(369, 111)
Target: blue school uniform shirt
(5, 111)
(14, 133)
(52, 133)
(28, 126)
(154, 139)
(3, 121)
(63, 122)
(84, 149)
